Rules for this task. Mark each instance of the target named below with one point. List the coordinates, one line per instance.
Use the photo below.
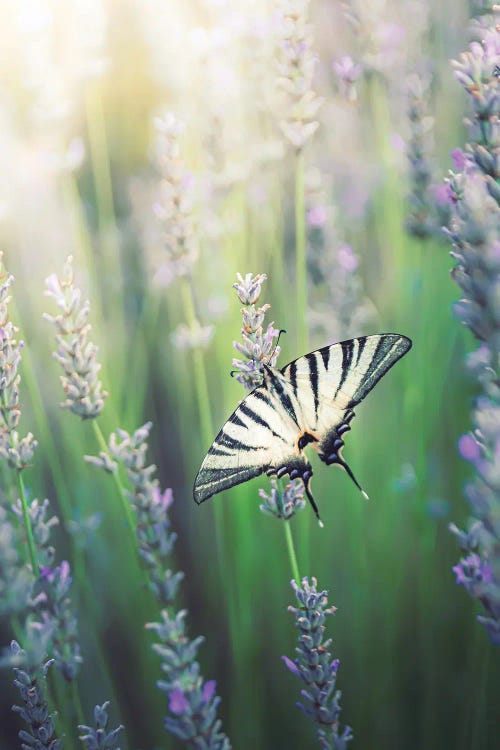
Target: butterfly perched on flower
(310, 401)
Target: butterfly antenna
(281, 330)
(347, 468)
(313, 503)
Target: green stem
(300, 255)
(77, 703)
(27, 525)
(291, 551)
(121, 489)
(100, 158)
(200, 375)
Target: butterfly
(310, 401)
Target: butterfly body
(308, 402)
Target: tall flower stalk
(174, 211)
(16, 451)
(296, 65)
(315, 666)
(77, 355)
(192, 701)
(475, 234)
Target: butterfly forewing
(329, 382)
(258, 437)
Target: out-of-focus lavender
(16, 580)
(421, 219)
(30, 681)
(341, 308)
(100, 738)
(16, 451)
(475, 233)
(47, 608)
(315, 667)
(192, 702)
(56, 618)
(174, 206)
(174, 211)
(347, 73)
(296, 64)
(283, 503)
(75, 353)
(257, 347)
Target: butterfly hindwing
(258, 437)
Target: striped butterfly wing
(330, 382)
(260, 436)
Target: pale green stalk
(27, 525)
(100, 160)
(291, 551)
(121, 489)
(300, 255)
(200, 375)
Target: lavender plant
(475, 234)
(100, 738)
(421, 221)
(315, 667)
(283, 503)
(174, 211)
(257, 347)
(16, 451)
(192, 702)
(40, 730)
(76, 354)
(296, 64)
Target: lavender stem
(291, 550)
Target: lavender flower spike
(100, 738)
(257, 347)
(192, 702)
(40, 732)
(283, 503)
(296, 64)
(17, 452)
(75, 353)
(475, 234)
(315, 667)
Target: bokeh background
(80, 85)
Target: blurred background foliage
(80, 83)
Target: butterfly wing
(330, 381)
(260, 436)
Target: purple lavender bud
(177, 702)
(468, 448)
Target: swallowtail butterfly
(309, 401)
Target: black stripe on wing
(390, 348)
(209, 482)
